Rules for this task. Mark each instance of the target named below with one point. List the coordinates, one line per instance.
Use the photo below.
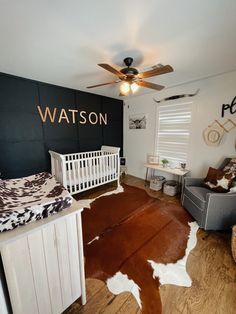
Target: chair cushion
(197, 194)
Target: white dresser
(43, 264)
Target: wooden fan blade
(111, 69)
(103, 84)
(150, 85)
(157, 71)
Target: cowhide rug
(134, 242)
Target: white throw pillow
(232, 190)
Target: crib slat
(106, 167)
(100, 169)
(109, 166)
(69, 176)
(111, 163)
(90, 172)
(116, 166)
(82, 175)
(97, 173)
(74, 176)
(94, 172)
(64, 176)
(86, 172)
(78, 175)
(112, 166)
(95, 169)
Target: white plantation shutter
(173, 132)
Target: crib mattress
(30, 198)
(89, 174)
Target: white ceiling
(61, 42)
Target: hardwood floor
(210, 265)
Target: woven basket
(233, 243)
(171, 187)
(156, 183)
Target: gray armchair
(212, 211)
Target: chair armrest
(226, 199)
(188, 181)
(220, 213)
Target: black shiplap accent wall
(25, 140)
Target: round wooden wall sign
(213, 135)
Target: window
(173, 132)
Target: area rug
(134, 242)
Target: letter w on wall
(47, 113)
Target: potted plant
(165, 162)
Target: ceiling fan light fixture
(134, 87)
(131, 79)
(125, 88)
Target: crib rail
(57, 164)
(82, 171)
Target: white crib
(83, 171)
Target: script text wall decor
(79, 121)
(231, 108)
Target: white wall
(207, 105)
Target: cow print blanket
(30, 198)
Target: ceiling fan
(132, 79)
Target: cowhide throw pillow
(231, 167)
(217, 180)
(233, 185)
